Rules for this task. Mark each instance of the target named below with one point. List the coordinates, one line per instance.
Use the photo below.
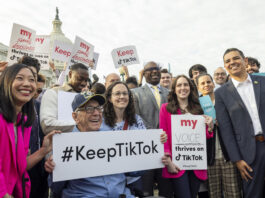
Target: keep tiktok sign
(90, 154)
(189, 142)
(125, 56)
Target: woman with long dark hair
(119, 114)
(17, 88)
(182, 99)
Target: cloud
(181, 33)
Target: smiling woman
(182, 99)
(119, 114)
(17, 88)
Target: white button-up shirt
(246, 92)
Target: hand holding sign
(209, 122)
(49, 164)
(171, 167)
(3, 65)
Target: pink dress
(13, 161)
(165, 124)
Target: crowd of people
(235, 139)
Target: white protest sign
(95, 60)
(22, 42)
(65, 110)
(125, 56)
(42, 50)
(189, 142)
(61, 51)
(90, 154)
(82, 52)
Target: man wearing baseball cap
(87, 113)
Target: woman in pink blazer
(181, 100)
(17, 87)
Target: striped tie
(157, 95)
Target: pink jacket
(165, 124)
(13, 163)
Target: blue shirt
(109, 186)
(139, 125)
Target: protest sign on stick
(42, 50)
(82, 52)
(189, 142)
(61, 51)
(22, 42)
(125, 56)
(90, 154)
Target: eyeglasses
(90, 109)
(118, 94)
(220, 74)
(152, 68)
(39, 91)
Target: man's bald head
(220, 76)
(111, 78)
(152, 73)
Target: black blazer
(236, 127)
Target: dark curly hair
(194, 106)
(109, 113)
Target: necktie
(157, 95)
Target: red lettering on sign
(63, 52)
(85, 46)
(39, 40)
(191, 123)
(126, 52)
(82, 52)
(25, 33)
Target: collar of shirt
(237, 83)
(75, 129)
(67, 87)
(150, 86)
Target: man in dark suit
(240, 111)
(148, 100)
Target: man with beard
(148, 100)
(253, 65)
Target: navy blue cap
(82, 98)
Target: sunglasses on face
(152, 69)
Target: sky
(176, 32)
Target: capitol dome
(56, 35)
